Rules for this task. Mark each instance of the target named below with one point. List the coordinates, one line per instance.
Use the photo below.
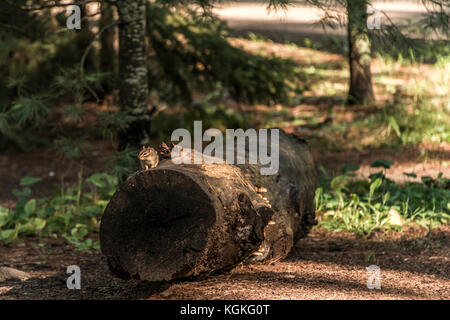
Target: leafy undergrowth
(344, 203)
(72, 213)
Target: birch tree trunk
(133, 82)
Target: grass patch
(344, 203)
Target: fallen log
(184, 220)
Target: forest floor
(414, 263)
(325, 265)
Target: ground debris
(7, 273)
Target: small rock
(166, 293)
(395, 218)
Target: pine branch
(56, 3)
(86, 52)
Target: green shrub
(365, 205)
(72, 213)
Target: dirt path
(323, 266)
(299, 21)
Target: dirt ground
(413, 265)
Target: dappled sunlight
(362, 170)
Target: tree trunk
(107, 52)
(178, 221)
(133, 71)
(361, 90)
(84, 39)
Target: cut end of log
(156, 226)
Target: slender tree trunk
(107, 52)
(84, 39)
(133, 83)
(359, 55)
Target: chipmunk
(148, 157)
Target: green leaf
(395, 126)
(9, 235)
(339, 182)
(374, 186)
(349, 168)
(96, 245)
(56, 223)
(6, 234)
(49, 210)
(38, 223)
(4, 216)
(28, 181)
(382, 163)
(411, 175)
(91, 211)
(26, 228)
(30, 207)
(79, 232)
(386, 197)
(22, 194)
(379, 174)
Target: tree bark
(359, 55)
(133, 71)
(107, 52)
(178, 221)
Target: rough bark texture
(133, 70)
(361, 90)
(178, 221)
